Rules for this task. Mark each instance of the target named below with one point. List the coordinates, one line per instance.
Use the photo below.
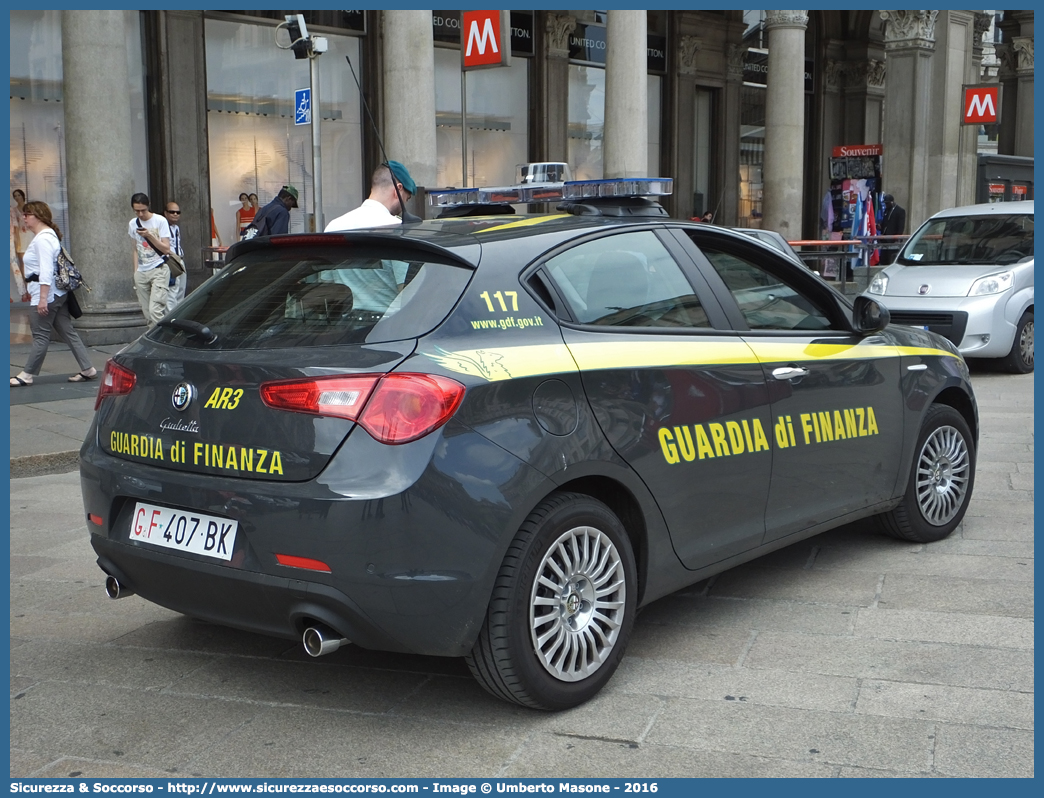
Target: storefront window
(255, 147)
(587, 122)
(655, 92)
(38, 158)
(702, 200)
(752, 155)
(497, 106)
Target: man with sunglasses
(176, 285)
(390, 187)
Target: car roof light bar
(552, 192)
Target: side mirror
(869, 315)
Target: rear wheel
(1020, 359)
(941, 480)
(562, 607)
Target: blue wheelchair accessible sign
(303, 107)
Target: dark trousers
(57, 318)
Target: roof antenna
(407, 217)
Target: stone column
(551, 133)
(626, 141)
(951, 145)
(1023, 47)
(100, 175)
(863, 92)
(409, 93)
(909, 47)
(784, 122)
(180, 151)
(1007, 76)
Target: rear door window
(626, 280)
(285, 297)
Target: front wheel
(1020, 359)
(562, 607)
(941, 480)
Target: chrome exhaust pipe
(115, 590)
(319, 640)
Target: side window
(626, 280)
(767, 303)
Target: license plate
(175, 529)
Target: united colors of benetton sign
(485, 39)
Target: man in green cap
(390, 188)
(274, 218)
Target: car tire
(562, 606)
(941, 480)
(1020, 359)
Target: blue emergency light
(572, 190)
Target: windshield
(994, 240)
(281, 297)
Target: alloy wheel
(577, 604)
(943, 467)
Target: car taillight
(116, 381)
(406, 407)
(327, 396)
(393, 408)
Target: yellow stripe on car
(512, 362)
(522, 223)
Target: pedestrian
(244, 214)
(151, 235)
(18, 290)
(51, 302)
(893, 223)
(708, 217)
(274, 218)
(20, 237)
(176, 285)
(390, 188)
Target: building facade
(741, 108)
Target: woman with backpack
(50, 309)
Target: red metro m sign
(485, 39)
(981, 104)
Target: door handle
(789, 373)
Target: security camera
(295, 26)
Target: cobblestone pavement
(849, 654)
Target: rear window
(282, 297)
(994, 240)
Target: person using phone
(151, 234)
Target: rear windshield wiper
(193, 328)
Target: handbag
(73, 304)
(66, 276)
(175, 264)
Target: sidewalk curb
(36, 465)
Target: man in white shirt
(390, 187)
(176, 285)
(151, 235)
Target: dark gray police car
(497, 436)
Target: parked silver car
(967, 273)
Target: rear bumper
(256, 602)
(413, 556)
